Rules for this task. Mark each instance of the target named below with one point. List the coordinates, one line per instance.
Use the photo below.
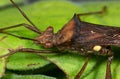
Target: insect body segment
(66, 34)
(46, 38)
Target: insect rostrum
(76, 35)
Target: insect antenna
(25, 16)
(18, 36)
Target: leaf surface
(56, 14)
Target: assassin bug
(83, 37)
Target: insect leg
(91, 13)
(108, 69)
(30, 50)
(107, 51)
(82, 69)
(24, 15)
(19, 25)
(18, 36)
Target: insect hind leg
(107, 51)
(82, 69)
(108, 69)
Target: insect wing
(93, 34)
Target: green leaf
(2, 67)
(3, 60)
(56, 14)
(14, 76)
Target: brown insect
(83, 37)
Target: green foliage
(7, 2)
(56, 14)
(14, 76)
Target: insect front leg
(29, 50)
(82, 69)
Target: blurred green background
(54, 13)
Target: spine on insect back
(64, 37)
